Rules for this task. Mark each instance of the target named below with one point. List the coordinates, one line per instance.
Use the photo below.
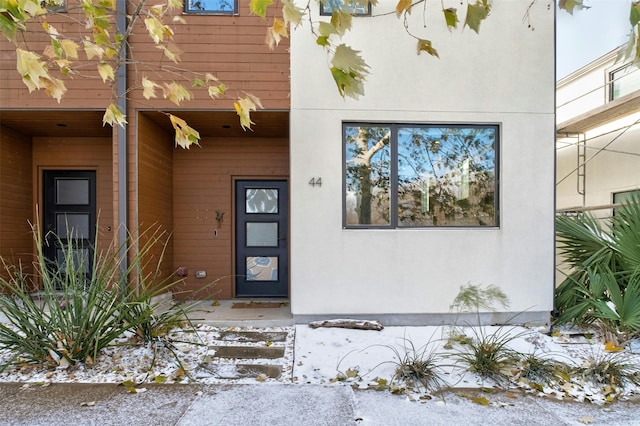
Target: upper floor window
(355, 7)
(623, 81)
(420, 175)
(624, 197)
(219, 7)
(54, 5)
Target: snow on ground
(362, 358)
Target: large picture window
(420, 175)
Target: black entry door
(262, 264)
(69, 215)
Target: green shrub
(83, 305)
(603, 285)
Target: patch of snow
(361, 358)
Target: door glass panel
(72, 225)
(72, 191)
(80, 259)
(261, 200)
(262, 268)
(262, 234)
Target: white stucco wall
(505, 76)
(584, 89)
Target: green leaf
(425, 46)
(326, 29)
(341, 21)
(348, 59)
(215, 91)
(476, 13)
(451, 17)
(349, 71)
(570, 5)
(259, 7)
(322, 41)
(8, 27)
(634, 14)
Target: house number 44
(315, 181)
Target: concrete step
(240, 371)
(236, 353)
(253, 336)
(248, 352)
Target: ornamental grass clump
(609, 368)
(485, 351)
(540, 370)
(488, 354)
(420, 367)
(65, 313)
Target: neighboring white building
(598, 133)
(427, 218)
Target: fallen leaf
(262, 377)
(480, 400)
(351, 373)
(88, 404)
(215, 303)
(612, 347)
(587, 420)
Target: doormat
(256, 305)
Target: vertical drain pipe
(121, 77)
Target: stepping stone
(253, 336)
(241, 371)
(248, 352)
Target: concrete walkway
(280, 404)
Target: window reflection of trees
(212, 5)
(368, 174)
(445, 175)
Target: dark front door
(262, 264)
(69, 215)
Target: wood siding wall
(80, 154)
(85, 90)
(203, 184)
(155, 194)
(230, 47)
(16, 199)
